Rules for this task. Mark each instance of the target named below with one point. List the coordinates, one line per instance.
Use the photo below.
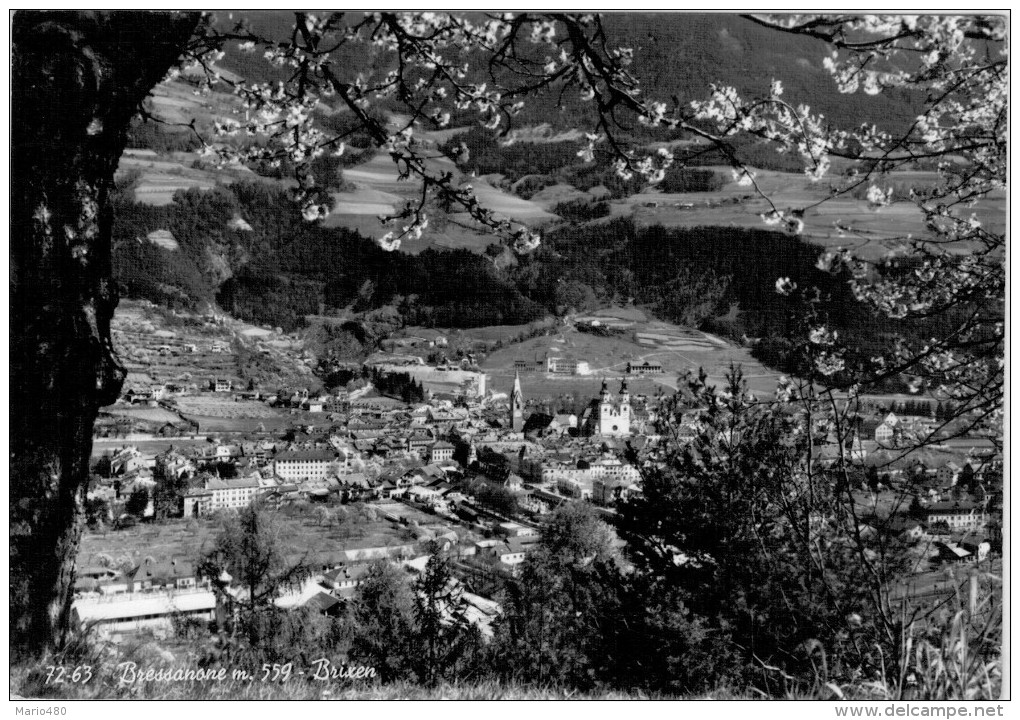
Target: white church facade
(608, 416)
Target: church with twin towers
(605, 415)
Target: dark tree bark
(77, 79)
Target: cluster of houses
(153, 595)
(427, 455)
(897, 430)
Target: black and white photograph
(486, 355)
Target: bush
(680, 179)
(577, 211)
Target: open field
(207, 424)
(845, 221)
(224, 407)
(678, 349)
(149, 414)
(300, 535)
(379, 191)
(504, 333)
(160, 177)
(177, 102)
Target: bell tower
(517, 405)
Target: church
(604, 416)
(517, 406)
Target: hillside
(247, 248)
(675, 54)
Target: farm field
(379, 191)
(871, 232)
(160, 177)
(225, 407)
(149, 414)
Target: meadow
(678, 349)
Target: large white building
(220, 494)
(296, 465)
(606, 416)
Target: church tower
(517, 406)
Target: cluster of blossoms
(430, 80)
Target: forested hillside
(722, 280)
(284, 268)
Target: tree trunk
(77, 79)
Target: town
(411, 458)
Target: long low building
(129, 612)
(453, 382)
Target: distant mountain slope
(675, 54)
(681, 54)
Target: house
(420, 416)
(220, 385)
(885, 433)
(950, 552)
(344, 578)
(91, 578)
(313, 406)
(128, 460)
(644, 368)
(419, 442)
(355, 485)
(425, 495)
(947, 474)
(955, 515)
(511, 553)
(151, 574)
(441, 452)
(325, 604)
(438, 415)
